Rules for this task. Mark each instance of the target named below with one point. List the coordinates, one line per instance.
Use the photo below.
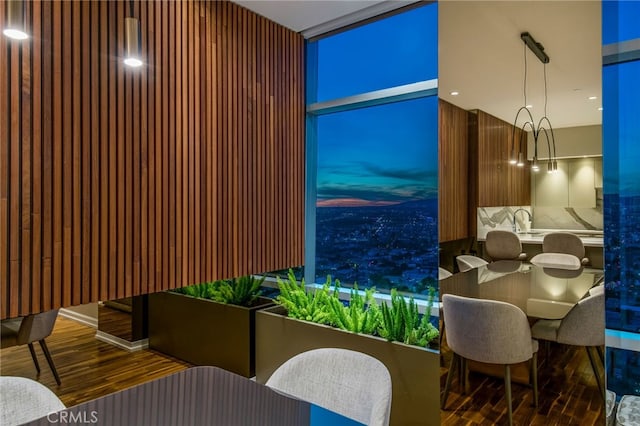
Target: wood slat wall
(453, 172)
(117, 182)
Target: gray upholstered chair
(583, 326)
(557, 261)
(564, 242)
(491, 332)
(503, 245)
(467, 262)
(353, 384)
(29, 329)
(23, 400)
(443, 273)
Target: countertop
(535, 236)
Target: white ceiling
(481, 54)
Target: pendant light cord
(524, 87)
(545, 89)
(131, 8)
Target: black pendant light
(132, 57)
(14, 24)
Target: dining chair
(23, 400)
(503, 245)
(564, 242)
(557, 261)
(443, 273)
(490, 332)
(467, 262)
(353, 384)
(29, 329)
(582, 326)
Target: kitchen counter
(535, 236)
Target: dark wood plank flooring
(567, 392)
(90, 369)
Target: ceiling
(481, 54)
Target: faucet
(514, 218)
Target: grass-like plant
(402, 322)
(304, 304)
(361, 315)
(243, 291)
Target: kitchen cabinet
(573, 185)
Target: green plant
(201, 291)
(304, 304)
(361, 315)
(243, 291)
(402, 322)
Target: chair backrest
(36, 327)
(487, 330)
(557, 261)
(503, 245)
(443, 273)
(23, 400)
(467, 262)
(563, 242)
(350, 383)
(584, 324)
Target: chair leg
(441, 333)
(534, 378)
(33, 356)
(454, 361)
(507, 391)
(43, 345)
(595, 372)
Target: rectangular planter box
(415, 371)
(204, 332)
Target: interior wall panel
(117, 182)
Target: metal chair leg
(43, 345)
(507, 391)
(33, 356)
(454, 361)
(595, 372)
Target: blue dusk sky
(385, 154)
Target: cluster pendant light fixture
(14, 23)
(132, 39)
(543, 126)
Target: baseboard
(138, 345)
(81, 318)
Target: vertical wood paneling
(118, 181)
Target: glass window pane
(377, 196)
(398, 50)
(620, 21)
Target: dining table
(541, 293)
(197, 396)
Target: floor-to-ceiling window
(621, 115)
(372, 154)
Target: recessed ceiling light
(454, 93)
(529, 106)
(592, 98)
(600, 109)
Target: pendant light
(14, 25)
(544, 125)
(132, 39)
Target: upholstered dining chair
(491, 332)
(29, 329)
(467, 262)
(557, 261)
(583, 326)
(443, 273)
(353, 384)
(564, 242)
(23, 400)
(503, 245)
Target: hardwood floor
(89, 369)
(567, 392)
